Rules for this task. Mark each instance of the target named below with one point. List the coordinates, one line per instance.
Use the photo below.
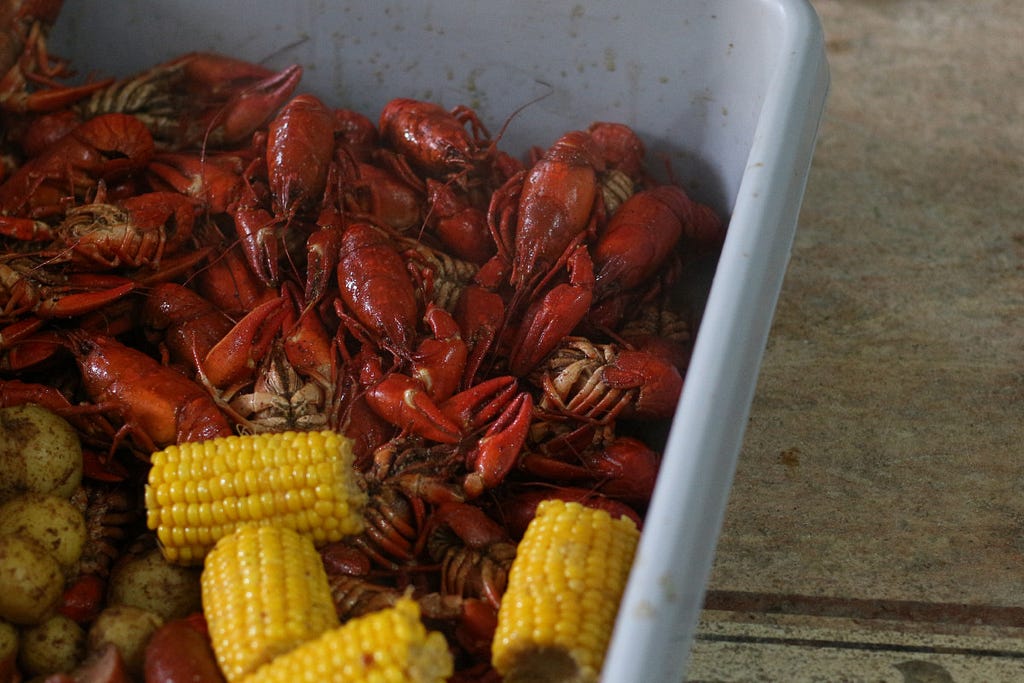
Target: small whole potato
(53, 522)
(151, 582)
(32, 580)
(39, 451)
(129, 628)
(57, 644)
(8, 651)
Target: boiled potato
(152, 583)
(129, 628)
(8, 650)
(32, 580)
(57, 644)
(53, 522)
(39, 451)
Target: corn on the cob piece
(390, 646)
(264, 592)
(199, 492)
(564, 589)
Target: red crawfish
(300, 146)
(475, 552)
(642, 233)
(434, 139)
(620, 148)
(134, 232)
(538, 217)
(553, 315)
(27, 287)
(24, 60)
(106, 148)
(480, 432)
(111, 510)
(235, 97)
(376, 288)
(601, 382)
(357, 134)
(182, 323)
(460, 226)
(230, 285)
(214, 179)
(379, 194)
(159, 406)
(299, 150)
(46, 129)
(200, 98)
(623, 468)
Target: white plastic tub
(730, 91)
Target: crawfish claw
(403, 401)
(478, 405)
(497, 451)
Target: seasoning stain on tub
(645, 609)
(575, 14)
(669, 592)
(471, 80)
(609, 59)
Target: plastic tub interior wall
(730, 93)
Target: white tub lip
(661, 606)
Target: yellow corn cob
(199, 492)
(390, 646)
(564, 589)
(264, 592)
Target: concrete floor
(875, 530)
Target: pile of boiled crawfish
(197, 250)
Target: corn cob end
(563, 594)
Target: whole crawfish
(299, 149)
(159, 406)
(29, 287)
(134, 232)
(300, 146)
(377, 289)
(601, 382)
(198, 98)
(539, 216)
(433, 139)
(106, 148)
(642, 233)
